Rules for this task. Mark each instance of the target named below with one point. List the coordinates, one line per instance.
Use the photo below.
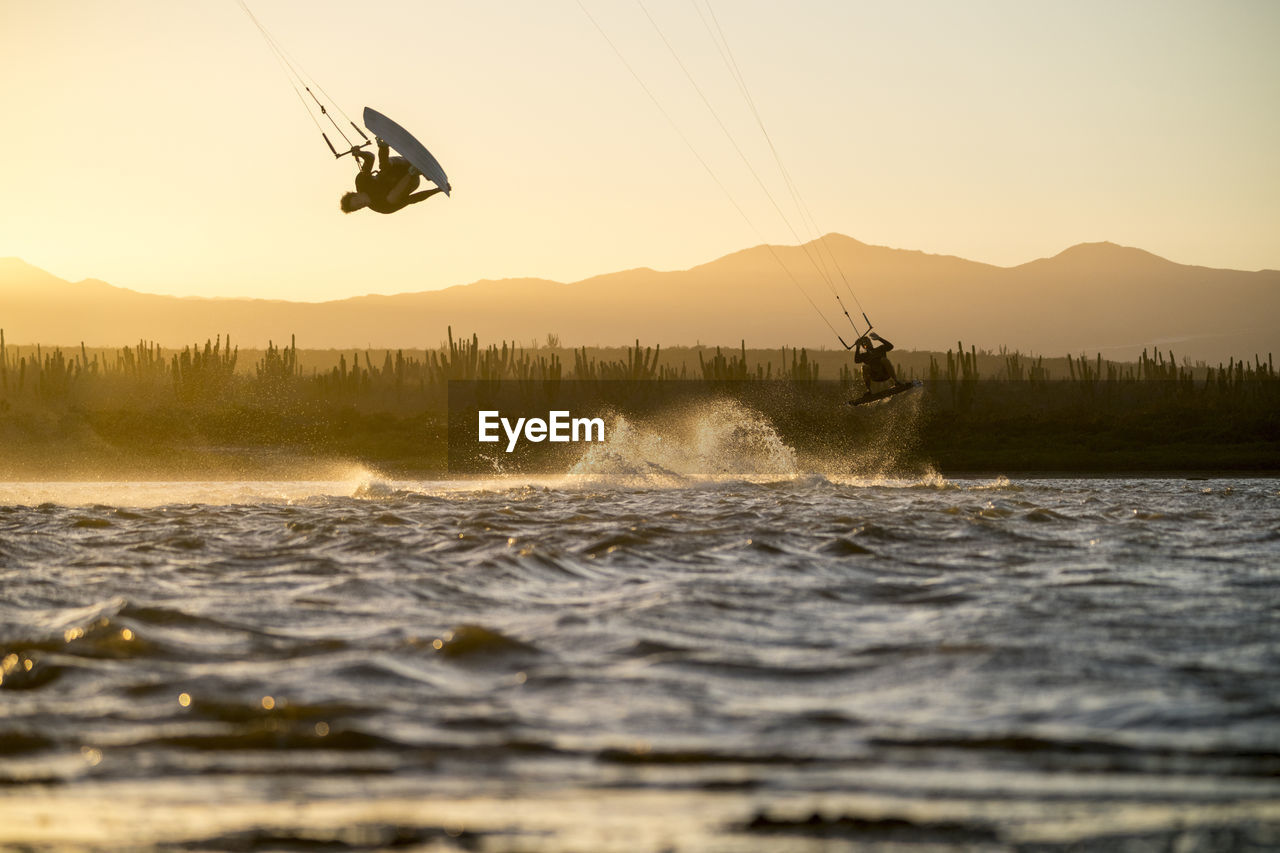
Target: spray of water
(881, 447)
(711, 441)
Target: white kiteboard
(406, 146)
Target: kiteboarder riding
(875, 361)
(388, 189)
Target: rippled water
(586, 664)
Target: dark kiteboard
(876, 396)
(404, 144)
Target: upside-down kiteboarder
(389, 188)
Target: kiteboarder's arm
(365, 158)
(885, 346)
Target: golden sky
(158, 146)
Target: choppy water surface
(802, 664)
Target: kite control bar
(855, 328)
(339, 154)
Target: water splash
(882, 448)
(712, 441)
(890, 447)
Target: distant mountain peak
(1102, 256)
(1108, 252)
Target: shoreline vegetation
(213, 411)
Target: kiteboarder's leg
(893, 375)
(423, 196)
(866, 376)
(879, 369)
(406, 185)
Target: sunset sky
(158, 146)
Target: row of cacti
(735, 367)
(1019, 368)
(640, 364)
(210, 372)
(961, 366)
(465, 360)
(194, 372)
(1156, 368)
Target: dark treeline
(100, 410)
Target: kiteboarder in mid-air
(875, 363)
(388, 189)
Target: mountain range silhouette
(1093, 297)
